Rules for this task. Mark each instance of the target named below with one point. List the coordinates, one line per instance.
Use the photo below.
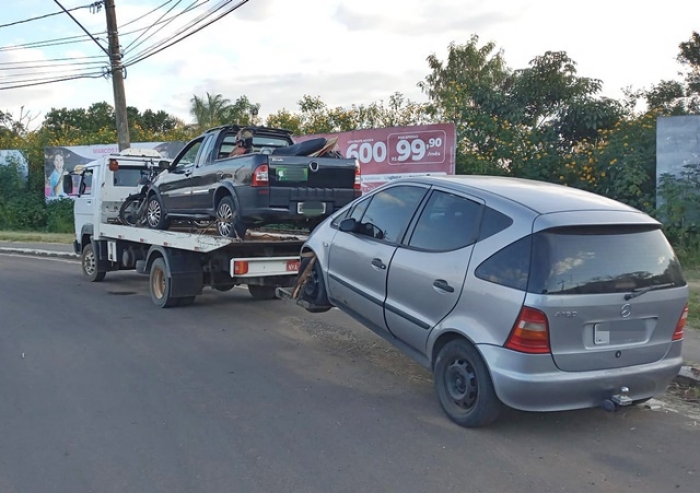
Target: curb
(40, 253)
(689, 375)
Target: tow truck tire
(89, 265)
(161, 285)
(262, 292)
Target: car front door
(358, 261)
(427, 272)
(175, 186)
(204, 177)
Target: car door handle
(442, 285)
(377, 262)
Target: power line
(162, 45)
(82, 27)
(52, 81)
(48, 15)
(167, 21)
(149, 27)
(17, 62)
(146, 14)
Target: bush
(22, 209)
(59, 216)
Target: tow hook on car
(617, 400)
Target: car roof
(538, 196)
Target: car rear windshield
(595, 260)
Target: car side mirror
(68, 184)
(163, 164)
(347, 225)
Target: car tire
(314, 290)
(89, 265)
(155, 214)
(228, 221)
(464, 386)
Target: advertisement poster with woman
(61, 161)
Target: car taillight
(261, 176)
(530, 333)
(358, 176)
(680, 326)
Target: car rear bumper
(258, 206)
(534, 383)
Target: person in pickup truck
(244, 143)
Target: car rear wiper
(641, 291)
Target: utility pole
(115, 58)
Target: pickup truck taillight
(261, 176)
(358, 176)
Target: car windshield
(595, 260)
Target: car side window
(509, 266)
(447, 222)
(190, 155)
(388, 212)
(85, 187)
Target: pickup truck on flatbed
(243, 177)
(181, 262)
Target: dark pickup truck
(244, 177)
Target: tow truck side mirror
(68, 184)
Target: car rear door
(358, 261)
(427, 273)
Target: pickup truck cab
(274, 182)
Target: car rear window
(596, 260)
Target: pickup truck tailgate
(293, 171)
(298, 178)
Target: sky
(344, 51)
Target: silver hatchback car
(512, 292)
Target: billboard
(59, 161)
(677, 145)
(394, 152)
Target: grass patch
(37, 237)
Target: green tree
(214, 110)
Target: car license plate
(311, 208)
(293, 265)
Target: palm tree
(209, 111)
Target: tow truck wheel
(89, 262)
(161, 285)
(262, 292)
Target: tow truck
(180, 261)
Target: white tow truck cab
(180, 261)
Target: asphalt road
(100, 391)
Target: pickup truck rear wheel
(89, 265)
(228, 221)
(155, 215)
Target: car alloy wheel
(154, 213)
